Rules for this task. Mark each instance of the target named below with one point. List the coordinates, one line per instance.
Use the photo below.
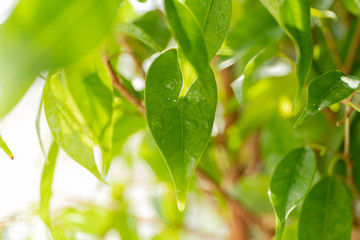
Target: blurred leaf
(140, 34)
(189, 35)
(46, 184)
(252, 191)
(353, 6)
(154, 24)
(180, 125)
(67, 124)
(5, 148)
(42, 35)
(278, 139)
(214, 17)
(325, 90)
(326, 212)
(91, 89)
(290, 182)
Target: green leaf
(42, 35)
(326, 213)
(46, 183)
(296, 17)
(91, 89)
(140, 34)
(352, 6)
(67, 124)
(325, 90)
(180, 125)
(5, 148)
(214, 17)
(189, 35)
(290, 182)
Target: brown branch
(117, 84)
(330, 42)
(352, 51)
(237, 206)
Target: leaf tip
(181, 200)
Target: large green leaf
(43, 34)
(46, 183)
(325, 90)
(214, 17)
(291, 180)
(326, 212)
(91, 89)
(180, 125)
(67, 124)
(189, 34)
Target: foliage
(248, 103)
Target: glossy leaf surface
(67, 124)
(291, 180)
(326, 212)
(188, 34)
(180, 125)
(325, 90)
(214, 17)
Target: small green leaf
(291, 180)
(214, 17)
(326, 213)
(325, 90)
(189, 34)
(91, 89)
(180, 125)
(5, 148)
(140, 34)
(46, 183)
(67, 124)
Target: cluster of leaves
(293, 132)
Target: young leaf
(325, 90)
(326, 213)
(296, 17)
(140, 34)
(214, 17)
(92, 93)
(5, 148)
(46, 183)
(291, 180)
(67, 124)
(180, 125)
(189, 34)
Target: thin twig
(330, 42)
(236, 204)
(121, 88)
(352, 51)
